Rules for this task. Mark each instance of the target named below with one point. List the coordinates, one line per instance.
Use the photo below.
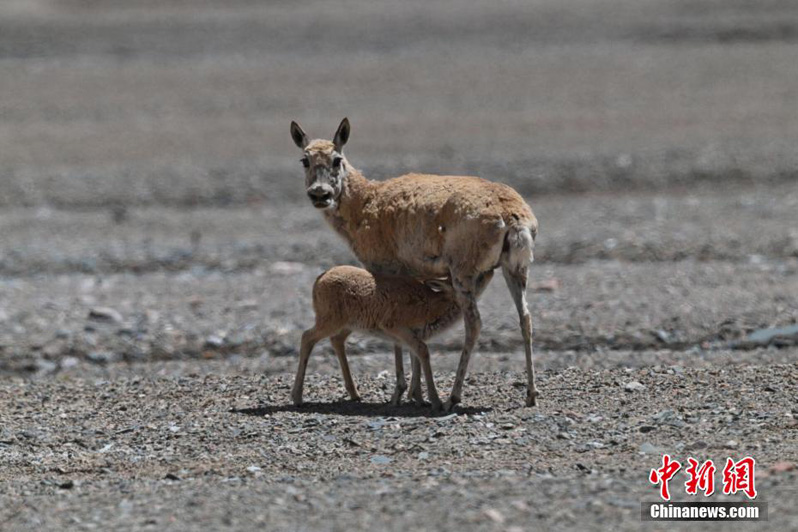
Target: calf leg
(309, 339)
(401, 384)
(467, 300)
(516, 282)
(339, 346)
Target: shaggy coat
(427, 227)
(346, 299)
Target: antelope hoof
(396, 398)
(451, 403)
(418, 397)
(437, 406)
(296, 398)
(531, 397)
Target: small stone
(423, 455)
(766, 336)
(69, 362)
(46, 366)
(731, 444)
(668, 417)
(286, 268)
(67, 485)
(102, 357)
(381, 460)
(782, 467)
(649, 448)
(494, 515)
(214, 341)
(634, 386)
(548, 285)
(253, 469)
(105, 314)
(171, 476)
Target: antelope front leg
(420, 350)
(401, 384)
(466, 299)
(415, 382)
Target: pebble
(494, 515)
(649, 448)
(634, 386)
(105, 314)
(214, 341)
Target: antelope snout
(321, 196)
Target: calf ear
(300, 139)
(341, 136)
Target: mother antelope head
(325, 164)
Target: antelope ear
(341, 136)
(300, 139)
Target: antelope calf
(427, 227)
(399, 308)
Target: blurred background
(157, 253)
(146, 168)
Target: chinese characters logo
(737, 477)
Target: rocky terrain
(157, 256)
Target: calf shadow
(358, 408)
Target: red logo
(702, 478)
(664, 474)
(739, 476)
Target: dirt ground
(157, 256)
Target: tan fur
(428, 226)
(346, 298)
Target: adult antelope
(428, 227)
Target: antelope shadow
(358, 408)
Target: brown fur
(346, 298)
(428, 226)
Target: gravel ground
(184, 448)
(156, 260)
(52, 322)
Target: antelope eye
(305, 162)
(337, 162)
